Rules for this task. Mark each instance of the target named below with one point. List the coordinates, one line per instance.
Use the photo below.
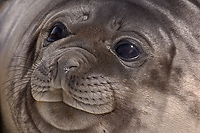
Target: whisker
(40, 91)
(9, 96)
(17, 76)
(13, 83)
(20, 66)
(15, 86)
(20, 70)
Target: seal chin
(63, 117)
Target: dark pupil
(55, 34)
(127, 50)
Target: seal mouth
(92, 94)
(80, 98)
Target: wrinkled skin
(79, 83)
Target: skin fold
(100, 66)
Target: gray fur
(79, 84)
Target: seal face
(100, 66)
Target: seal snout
(74, 82)
(65, 68)
(88, 93)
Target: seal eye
(55, 34)
(58, 31)
(127, 50)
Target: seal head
(100, 66)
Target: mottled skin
(78, 84)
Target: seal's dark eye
(57, 32)
(127, 50)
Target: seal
(108, 66)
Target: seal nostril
(71, 67)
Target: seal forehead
(93, 32)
